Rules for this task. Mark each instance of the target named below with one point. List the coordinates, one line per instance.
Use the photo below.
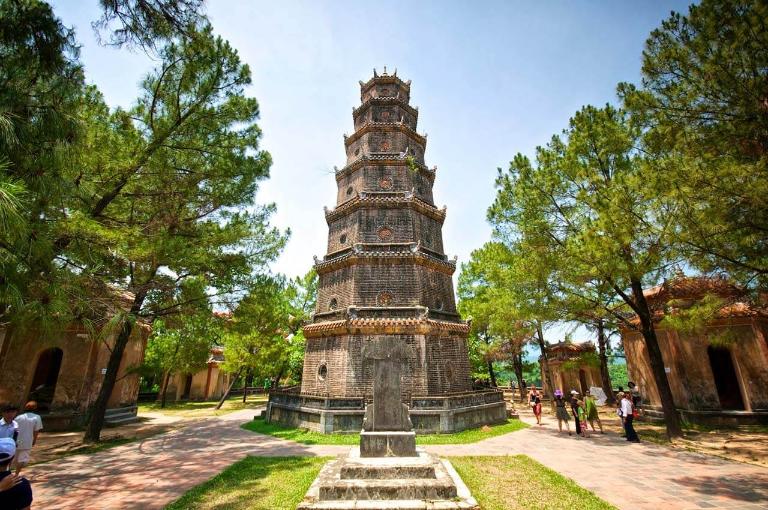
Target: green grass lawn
(202, 409)
(519, 482)
(255, 483)
(305, 436)
(498, 483)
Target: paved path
(151, 473)
(631, 476)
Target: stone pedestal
(422, 482)
(387, 444)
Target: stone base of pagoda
(430, 414)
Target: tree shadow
(746, 488)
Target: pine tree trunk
(99, 408)
(229, 389)
(166, 379)
(517, 363)
(279, 376)
(605, 375)
(671, 418)
(546, 375)
(492, 374)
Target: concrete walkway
(151, 473)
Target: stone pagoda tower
(385, 279)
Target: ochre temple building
(719, 373)
(573, 366)
(386, 277)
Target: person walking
(582, 414)
(537, 410)
(592, 414)
(532, 397)
(628, 418)
(561, 413)
(30, 424)
(575, 410)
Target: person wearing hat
(15, 491)
(29, 425)
(575, 410)
(561, 413)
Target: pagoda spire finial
(385, 71)
(375, 75)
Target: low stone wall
(710, 418)
(441, 414)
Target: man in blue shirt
(8, 426)
(16, 495)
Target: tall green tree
(183, 349)
(588, 202)
(41, 90)
(177, 202)
(704, 98)
(258, 340)
(518, 301)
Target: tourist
(8, 426)
(575, 410)
(628, 417)
(582, 417)
(532, 397)
(561, 413)
(19, 495)
(537, 410)
(30, 424)
(592, 414)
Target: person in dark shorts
(537, 409)
(561, 412)
(19, 495)
(575, 410)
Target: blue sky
(491, 79)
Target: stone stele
(387, 428)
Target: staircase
(379, 483)
(121, 415)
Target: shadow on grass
(255, 483)
(309, 437)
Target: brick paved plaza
(151, 473)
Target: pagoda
(385, 279)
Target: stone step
(121, 410)
(393, 504)
(414, 488)
(365, 472)
(121, 421)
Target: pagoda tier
(385, 272)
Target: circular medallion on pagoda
(322, 371)
(384, 146)
(333, 304)
(384, 298)
(385, 183)
(385, 233)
